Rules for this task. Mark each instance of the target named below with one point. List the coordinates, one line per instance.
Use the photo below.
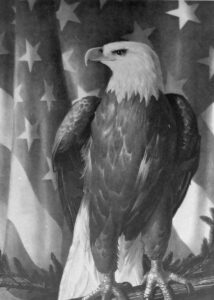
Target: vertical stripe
(39, 233)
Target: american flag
(42, 46)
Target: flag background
(42, 47)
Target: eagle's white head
(135, 69)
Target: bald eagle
(124, 162)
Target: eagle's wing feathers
(71, 137)
(188, 147)
(167, 167)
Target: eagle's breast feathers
(132, 148)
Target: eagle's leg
(104, 250)
(108, 289)
(156, 242)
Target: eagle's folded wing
(71, 137)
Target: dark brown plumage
(133, 161)
(71, 138)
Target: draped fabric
(42, 70)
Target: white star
(208, 117)
(174, 85)
(17, 95)
(2, 48)
(31, 55)
(209, 61)
(140, 35)
(185, 13)
(50, 175)
(67, 63)
(66, 13)
(30, 134)
(48, 95)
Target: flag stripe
(34, 225)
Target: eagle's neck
(136, 78)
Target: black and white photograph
(106, 150)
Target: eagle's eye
(120, 52)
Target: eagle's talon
(157, 277)
(108, 289)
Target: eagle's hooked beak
(96, 54)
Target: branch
(200, 286)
